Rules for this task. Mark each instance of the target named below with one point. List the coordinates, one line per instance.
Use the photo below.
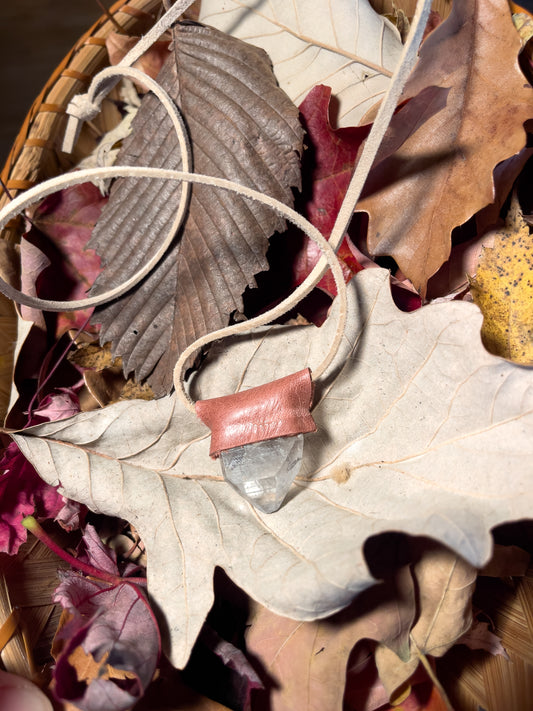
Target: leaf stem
(30, 523)
(431, 673)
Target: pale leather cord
(84, 107)
(105, 80)
(24, 200)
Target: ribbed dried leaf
(305, 662)
(243, 127)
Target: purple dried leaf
(111, 644)
(93, 550)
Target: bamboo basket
(473, 679)
(36, 153)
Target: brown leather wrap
(277, 409)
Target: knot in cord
(82, 107)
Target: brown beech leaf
(242, 127)
(441, 173)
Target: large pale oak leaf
(428, 433)
(244, 128)
(435, 172)
(344, 44)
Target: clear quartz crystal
(263, 472)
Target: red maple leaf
(327, 168)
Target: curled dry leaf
(416, 418)
(479, 636)
(344, 44)
(108, 647)
(242, 127)
(441, 173)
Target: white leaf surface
(343, 44)
(433, 432)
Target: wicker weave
(36, 153)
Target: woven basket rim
(37, 139)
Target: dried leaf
(305, 662)
(507, 561)
(445, 586)
(414, 407)
(22, 493)
(243, 127)
(223, 671)
(61, 404)
(441, 174)
(503, 290)
(480, 637)
(452, 277)
(110, 644)
(313, 43)
(505, 175)
(66, 219)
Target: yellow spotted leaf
(503, 290)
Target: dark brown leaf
(242, 127)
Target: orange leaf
(503, 290)
(442, 173)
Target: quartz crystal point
(258, 435)
(263, 472)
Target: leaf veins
(243, 128)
